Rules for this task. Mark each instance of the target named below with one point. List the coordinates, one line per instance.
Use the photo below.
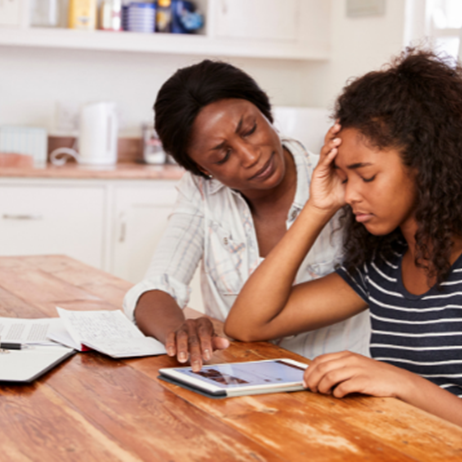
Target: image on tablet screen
(252, 373)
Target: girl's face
(234, 142)
(379, 188)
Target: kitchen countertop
(121, 171)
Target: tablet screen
(248, 374)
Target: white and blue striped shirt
(212, 224)
(420, 333)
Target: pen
(11, 346)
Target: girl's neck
(415, 279)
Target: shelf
(163, 43)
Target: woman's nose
(249, 155)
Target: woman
(396, 159)
(242, 190)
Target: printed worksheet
(27, 331)
(109, 332)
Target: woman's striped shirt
(420, 333)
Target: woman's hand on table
(195, 340)
(340, 374)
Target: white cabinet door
(257, 19)
(49, 219)
(140, 219)
(141, 214)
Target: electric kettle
(97, 141)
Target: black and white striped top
(420, 333)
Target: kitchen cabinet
(140, 218)
(113, 225)
(275, 29)
(45, 219)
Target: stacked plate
(141, 17)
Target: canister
(82, 14)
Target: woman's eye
(249, 132)
(368, 180)
(225, 158)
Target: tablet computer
(238, 379)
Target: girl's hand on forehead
(327, 191)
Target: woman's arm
(343, 373)
(159, 316)
(268, 305)
(156, 302)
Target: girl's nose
(352, 195)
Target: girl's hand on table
(195, 339)
(327, 191)
(340, 374)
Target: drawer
(53, 220)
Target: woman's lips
(266, 171)
(363, 217)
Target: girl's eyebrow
(358, 165)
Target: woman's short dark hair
(414, 105)
(190, 89)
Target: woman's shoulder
(302, 156)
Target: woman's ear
(205, 172)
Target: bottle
(111, 15)
(164, 16)
(44, 13)
(82, 14)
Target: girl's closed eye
(368, 180)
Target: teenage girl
(394, 162)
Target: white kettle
(97, 142)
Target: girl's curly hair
(413, 105)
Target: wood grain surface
(92, 407)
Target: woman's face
(379, 188)
(234, 142)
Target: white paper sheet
(109, 332)
(27, 331)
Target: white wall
(33, 79)
(358, 45)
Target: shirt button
(225, 241)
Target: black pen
(11, 346)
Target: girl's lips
(363, 217)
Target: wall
(358, 45)
(32, 80)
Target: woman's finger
(194, 346)
(170, 344)
(182, 344)
(205, 333)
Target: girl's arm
(269, 306)
(343, 373)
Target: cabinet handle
(123, 229)
(11, 216)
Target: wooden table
(92, 408)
